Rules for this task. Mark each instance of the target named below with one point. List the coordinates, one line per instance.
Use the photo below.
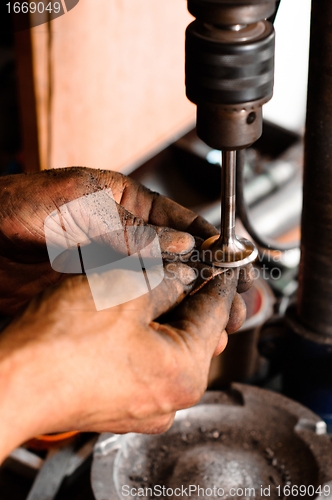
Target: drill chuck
(231, 12)
(229, 69)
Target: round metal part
(235, 253)
(241, 438)
(228, 66)
(231, 12)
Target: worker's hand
(118, 370)
(27, 200)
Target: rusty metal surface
(244, 437)
(315, 282)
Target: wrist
(23, 409)
(13, 426)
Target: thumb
(203, 317)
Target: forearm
(14, 421)
(27, 395)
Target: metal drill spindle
(228, 179)
(227, 250)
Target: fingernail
(176, 242)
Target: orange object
(51, 440)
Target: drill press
(229, 76)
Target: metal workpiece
(227, 250)
(228, 12)
(243, 437)
(315, 278)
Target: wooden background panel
(110, 82)
(40, 63)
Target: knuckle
(192, 395)
(176, 382)
(138, 235)
(161, 424)
(187, 387)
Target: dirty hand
(65, 366)
(27, 200)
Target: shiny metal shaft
(227, 250)
(228, 189)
